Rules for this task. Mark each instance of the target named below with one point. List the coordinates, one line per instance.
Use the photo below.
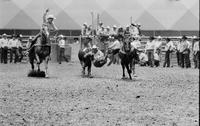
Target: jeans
(150, 57)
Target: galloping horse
(127, 55)
(39, 52)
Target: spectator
(113, 31)
(143, 59)
(158, 45)
(196, 53)
(4, 48)
(13, 48)
(156, 59)
(149, 50)
(178, 55)
(115, 48)
(84, 29)
(168, 49)
(184, 52)
(61, 45)
(20, 47)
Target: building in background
(161, 16)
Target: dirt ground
(157, 97)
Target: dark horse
(39, 52)
(86, 61)
(127, 57)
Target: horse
(127, 56)
(40, 52)
(86, 62)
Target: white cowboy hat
(94, 47)
(60, 36)
(159, 37)
(30, 37)
(85, 23)
(138, 24)
(127, 26)
(51, 16)
(194, 37)
(108, 27)
(114, 26)
(4, 34)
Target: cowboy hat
(184, 37)
(159, 37)
(114, 26)
(30, 37)
(85, 23)
(94, 47)
(4, 34)
(108, 27)
(60, 36)
(51, 16)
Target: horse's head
(127, 45)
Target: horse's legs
(89, 70)
(38, 61)
(46, 65)
(129, 71)
(123, 69)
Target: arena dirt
(157, 97)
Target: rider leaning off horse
(48, 27)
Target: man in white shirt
(61, 45)
(113, 31)
(143, 59)
(19, 47)
(149, 50)
(4, 48)
(184, 50)
(196, 52)
(99, 58)
(13, 48)
(135, 44)
(168, 49)
(115, 48)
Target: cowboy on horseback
(48, 27)
(40, 48)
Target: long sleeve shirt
(48, 27)
(99, 55)
(135, 44)
(169, 46)
(183, 46)
(61, 43)
(115, 45)
(143, 57)
(149, 46)
(196, 47)
(12, 43)
(3, 42)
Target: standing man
(84, 29)
(149, 50)
(168, 49)
(113, 31)
(196, 53)
(20, 47)
(158, 45)
(61, 44)
(4, 48)
(115, 48)
(184, 52)
(13, 48)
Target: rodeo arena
(99, 63)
